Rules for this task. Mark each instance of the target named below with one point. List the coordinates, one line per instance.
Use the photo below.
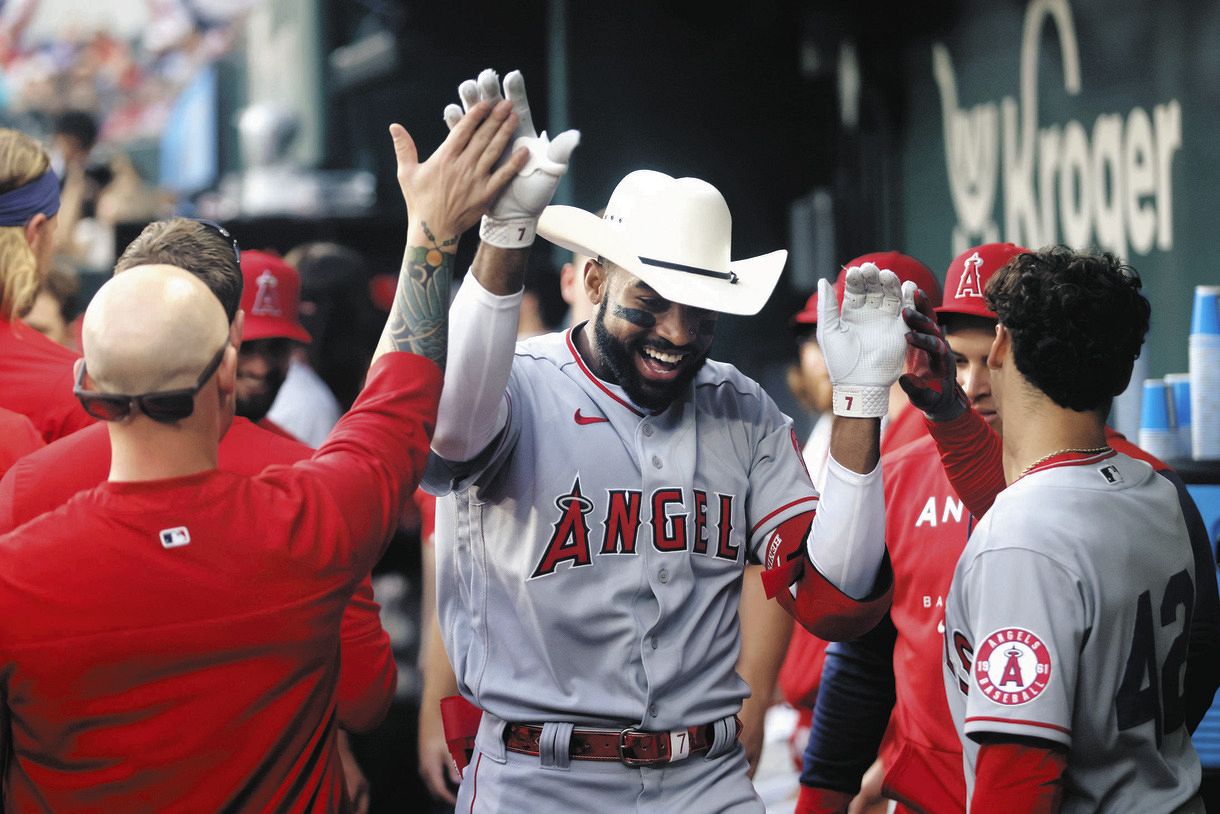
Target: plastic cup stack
(1205, 373)
(1179, 392)
(1158, 435)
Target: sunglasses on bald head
(166, 406)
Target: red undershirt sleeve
(972, 455)
(1017, 778)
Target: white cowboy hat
(674, 234)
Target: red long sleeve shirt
(170, 645)
(45, 480)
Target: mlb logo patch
(1111, 474)
(175, 537)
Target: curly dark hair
(1077, 322)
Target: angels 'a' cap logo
(267, 301)
(1012, 667)
(175, 537)
(971, 284)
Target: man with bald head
(139, 671)
(45, 480)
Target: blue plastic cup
(1156, 412)
(1205, 319)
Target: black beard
(256, 408)
(618, 360)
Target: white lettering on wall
(1111, 187)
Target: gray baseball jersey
(589, 563)
(1068, 620)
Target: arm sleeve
(1019, 777)
(482, 338)
(847, 543)
(367, 672)
(1203, 661)
(972, 455)
(852, 710)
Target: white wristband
(860, 401)
(517, 233)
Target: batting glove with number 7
(513, 219)
(864, 344)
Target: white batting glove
(864, 345)
(513, 219)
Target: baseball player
(46, 480)
(609, 484)
(1067, 621)
(801, 672)
(927, 527)
(152, 677)
(271, 301)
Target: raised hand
(513, 218)
(864, 344)
(445, 195)
(932, 385)
(458, 182)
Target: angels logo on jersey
(1012, 666)
(672, 528)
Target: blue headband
(41, 195)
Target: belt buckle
(622, 755)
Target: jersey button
(647, 430)
(652, 710)
(663, 575)
(653, 640)
(656, 462)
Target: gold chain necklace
(1045, 458)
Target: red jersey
(801, 673)
(270, 426)
(46, 480)
(927, 526)
(18, 438)
(182, 656)
(37, 377)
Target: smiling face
(970, 340)
(261, 369)
(646, 344)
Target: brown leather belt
(629, 746)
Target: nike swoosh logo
(588, 419)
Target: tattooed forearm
(418, 320)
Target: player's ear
(236, 327)
(597, 281)
(226, 374)
(35, 230)
(1000, 348)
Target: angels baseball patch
(1012, 666)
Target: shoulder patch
(1012, 666)
(1111, 474)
